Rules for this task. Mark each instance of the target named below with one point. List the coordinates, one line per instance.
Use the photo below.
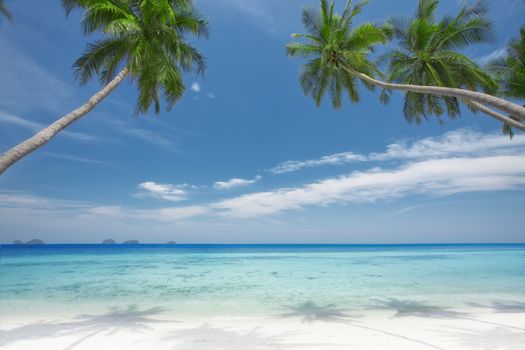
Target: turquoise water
(236, 279)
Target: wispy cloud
(146, 135)
(235, 182)
(210, 95)
(14, 199)
(21, 204)
(431, 177)
(262, 13)
(455, 143)
(426, 205)
(162, 214)
(171, 214)
(114, 211)
(74, 158)
(459, 162)
(8, 118)
(169, 192)
(332, 159)
(31, 86)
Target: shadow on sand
(310, 312)
(207, 337)
(503, 306)
(117, 319)
(404, 308)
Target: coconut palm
(5, 12)
(332, 39)
(141, 39)
(510, 72)
(338, 52)
(427, 56)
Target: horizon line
(241, 244)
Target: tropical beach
(262, 174)
(263, 296)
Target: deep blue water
(12, 250)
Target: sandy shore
(308, 327)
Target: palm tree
(339, 56)
(143, 40)
(331, 39)
(5, 12)
(427, 56)
(510, 72)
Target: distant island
(171, 242)
(18, 242)
(108, 241)
(133, 241)
(35, 241)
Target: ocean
(207, 280)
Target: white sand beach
(502, 326)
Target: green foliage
(427, 55)
(510, 73)
(333, 44)
(510, 70)
(5, 12)
(147, 37)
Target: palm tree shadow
(209, 337)
(404, 308)
(117, 319)
(310, 312)
(503, 306)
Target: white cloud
(210, 95)
(174, 193)
(433, 177)
(226, 185)
(332, 159)
(454, 143)
(458, 162)
(8, 118)
(195, 87)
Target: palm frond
(148, 38)
(509, 71)
(426, 10)
(5, 12)
(333, 44)
(427, 56)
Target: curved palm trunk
(506, 120)
(45, 135)
(474, 96)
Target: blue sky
(246, 157)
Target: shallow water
(261, 279)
